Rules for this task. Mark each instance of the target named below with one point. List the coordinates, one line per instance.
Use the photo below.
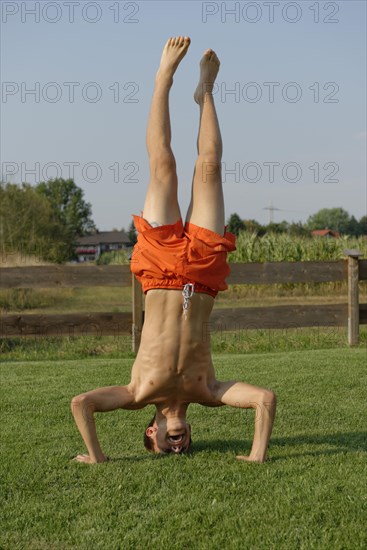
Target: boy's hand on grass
(87, 459)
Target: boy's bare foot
(173, 52)
(209, 67)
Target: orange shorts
(170, 256)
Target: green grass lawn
(311, 494)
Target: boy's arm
(83, 408)
(245, 396)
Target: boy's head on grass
(168, 436)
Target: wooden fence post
(353, 296)
(137, 298)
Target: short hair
(148, 443)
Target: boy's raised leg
(161, 205)
(207, 204)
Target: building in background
(328, 233)
(89, 248)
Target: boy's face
(166, 441)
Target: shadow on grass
(137, 458)
(342, 442)
(336, 443)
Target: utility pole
(271, 209)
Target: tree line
(46, 219)
(336, 219)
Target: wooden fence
(350, 314)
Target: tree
(336, 219)
(68, 206)
(43, 220)
(27, 224)
(297, 229)
(132, 234)
(363, 225)
(353, 228)
(253, 226)
(273, 227)
(235, 224)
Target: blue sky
(290, 100)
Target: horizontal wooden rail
(118, 324)
(363, 314)
(287, 272)
(290, 316)
(119, 275)
(68, 324)
(63, 276)
(362, 270)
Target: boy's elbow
(269, 396)
(79, 402)
(273, 396)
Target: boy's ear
(150, 431)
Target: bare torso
(174, 359)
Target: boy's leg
(207, 205)
(161, 205)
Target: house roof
(325, 233)
(104, 237)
